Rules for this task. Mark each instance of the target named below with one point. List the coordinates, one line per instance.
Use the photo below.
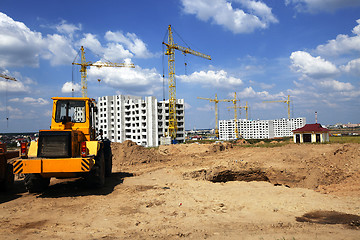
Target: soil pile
(194, 148)
(199, 191)
(129, 153)
(327, 169)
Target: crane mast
(84, 64)
(172, 129)
(246, 107)
(170, 52)
(283, 101)
(216, 101)
(235, 107)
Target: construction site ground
(200, 191)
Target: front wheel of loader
(9, 178)
(35, 183)
(108, 158)
(96, 177)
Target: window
(70, 111)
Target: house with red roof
(311, 133)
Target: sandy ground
(210, 191)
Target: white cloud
(343, 44)
(262, 85)
(90, 41)
(249, 92)
(315, 6)
(60, 50)
(336, 85)
(118, 48)
(15, 113)
(67, 28)
(267, 86)
(116, 52)
(309, 66)
(131, 41)
(187, 106)
(212, 78)
(19, 46)
(47, 113)
(12, 86)
(353, 67)
(112, 52)
(206, 108)
(131, 80)
(69, 87)
(221, 12)
(30, 100)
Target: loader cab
(74, 114)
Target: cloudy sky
(261, 49)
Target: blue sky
(263, 50)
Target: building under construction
(144, 121)
(259, 129)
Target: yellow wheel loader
(69, 149)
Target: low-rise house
(311, 133)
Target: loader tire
(9, 178)
(35, 183)
(96, 177)
(108, 158)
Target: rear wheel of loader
(35, 183)
(108, 158)
(108, 164)
(9, 178)
(96, 177)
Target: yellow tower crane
(170, 51)
(235, 107)
(246, 107)
(283, 101)
(216, 101)
(7, 77)
(84, 64)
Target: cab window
(70, 111)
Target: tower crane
(246, 107)
(170, 51)
(235, 107)
(283, 101)
(235, 100)
(7, 77)
(216, 101)
(12, 79)
(84, 64)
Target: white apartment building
(259, 129)
(283, 127)
(144, 121)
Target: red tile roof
(311, 128)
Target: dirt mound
(194, 148)
(199, 191)
(327, 169)
(260, 143)
(129, 153)
(242, 142)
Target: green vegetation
(345, 139)
(203, 141)
(268, 143)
